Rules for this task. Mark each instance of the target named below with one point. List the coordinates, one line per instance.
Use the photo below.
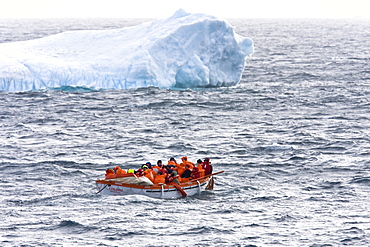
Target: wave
(361, 180)
(71, 226)
(72, 89)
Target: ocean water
(292, 137)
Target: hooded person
(149, 165)
(172, 162)
(207, 166)
(199, 165)
(160, 178)
(109, 174)
(149, 173)
(171, 165)
(119, 171)
(158, 166)
(186, 164)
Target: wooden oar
(210, 184)
(102, 189)
(178, 187)
(206, 176)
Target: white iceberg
(185, 50)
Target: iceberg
(182, 51)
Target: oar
(102, 189)
(206, 176)
(210, 184)
(178, 187)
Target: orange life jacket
(186, 162)
(109, 174)
(171, 162)
(156, 168)
(120, 171)
(201, 171)
(195, 173)
(149, 174)
(180, 169)
(160, 179)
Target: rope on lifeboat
(199, 187)
(162, 191)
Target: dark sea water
(293, 138)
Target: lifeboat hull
(164, 191)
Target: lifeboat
(130, 184)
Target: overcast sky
(165, 8)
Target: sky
(165, 8)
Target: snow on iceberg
(185, 50)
